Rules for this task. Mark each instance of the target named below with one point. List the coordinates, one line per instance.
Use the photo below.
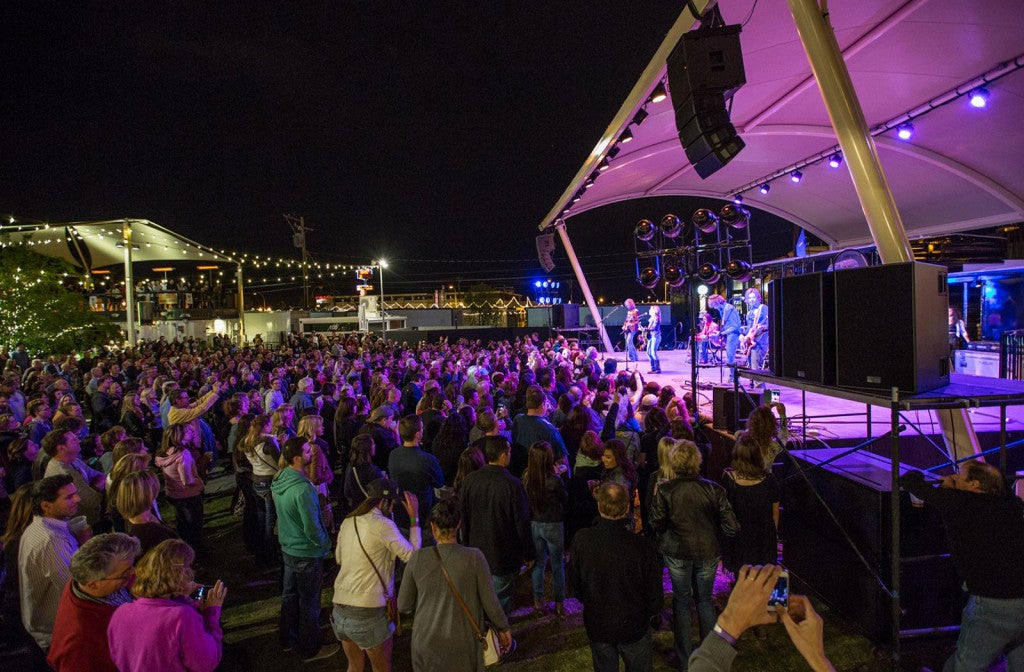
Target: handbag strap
(382, 584)
(355, 472)
(479, 635)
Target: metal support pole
(1002, 440)
(241, 306)
(383, 316)
(587, 294)
(868, 408)
(894, 504)
(129, 281)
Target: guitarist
(755, 341)
(630, 327)
(730, 330)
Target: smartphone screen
(779, 599)
(199, 593)
(774, 396)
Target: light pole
(381, 265)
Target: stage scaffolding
(963, 392)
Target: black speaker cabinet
(802, 339)
(704, 69)
(724, 405)
(856, 488)
(891, 327)
(565, 316)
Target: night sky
(436, 135)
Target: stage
(840, 420)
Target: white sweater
(357, 584)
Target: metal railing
(1011, 354)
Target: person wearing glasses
(101, 572)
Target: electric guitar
(748, 339)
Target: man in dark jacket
(415, 471)
(617, 576)
(496, 518)
(688, 513)
(985, 526)
(104, 415)
(412, 393)
(381, 427)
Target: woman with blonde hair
(182, 481)
(311, 428)
(283, 423)
(132, 418)
(163, 629)
(126, 464)
(136, 501)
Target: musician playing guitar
(630, 327)
(755, 340)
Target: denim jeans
(188, 515)
(683, 573)
(300, 604)
(505, 587)
(267, 516)
(631, 354)
(989, 627)
(637, 655)
(732, 343)
(653, 343)
(549, 539)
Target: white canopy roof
(961, 170)
(90, 245)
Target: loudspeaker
(892, 327)
(724, 415)
(704, 69)
(802, 338)
(856, 488)
(565, 315)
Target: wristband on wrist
(414, 521)
(725, 635)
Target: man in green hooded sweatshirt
(304, 545)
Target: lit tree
(38, 309)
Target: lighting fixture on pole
(905, 131)
(649, 277)
(796, 176)
(644, 230)
(381, 265)
(659, 94)
(735, 216)
(640, 115)
(627, 136)
(705, 220)
(979, 97)
(835, 160)
(604, 165)
(765, 188)
(671, 226)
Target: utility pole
(299, 230)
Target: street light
(381, 265)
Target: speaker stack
(871, 328)
(565, 316)
(705, 69)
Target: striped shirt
(44, 559)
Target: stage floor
(826, 417)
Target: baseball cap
(382, 488)
(649, 401)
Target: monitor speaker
(565, 316)
(802, 339)
(892, 327)
(705, 69)
(724, 406)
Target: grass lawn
(251, 611)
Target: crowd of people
(429, 477)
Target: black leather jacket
(688, 514)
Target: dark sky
(434, 134)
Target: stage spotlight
(671, 226)
(674, 276)
(649, 277)
(659, 94)
(737, 199)
(612, 152)
(738, 270)
(577, 196)
(702, 290)
(835, 160)
(627, 136)
(979, 97)
(735, 216)
(537, 284)
(705, 220)
(905, 131)
(639, 117)
(604, 165)
(644, 230)
(708, 273)
(796, 176)
(588, 184)
(765, 188)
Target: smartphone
(774, 396)
(779, 599)
(200, 592)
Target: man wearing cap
(381, 427)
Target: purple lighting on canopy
(905, 131)
(796, 176)
(979, 97)
(765, 188)
(835, 160)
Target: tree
(37, 307)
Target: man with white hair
(101, 571)
(302, 399)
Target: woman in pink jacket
(184, 487)
(164, 628)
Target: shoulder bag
(489, 639)
(390, 600)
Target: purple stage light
(905, 131)
(796, 176)
(979, 97)
(835, 160)
(765, 188)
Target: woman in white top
(261, 449)
(368, 543)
